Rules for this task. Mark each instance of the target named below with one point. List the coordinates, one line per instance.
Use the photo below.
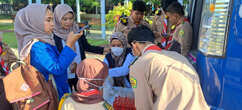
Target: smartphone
(83, 28)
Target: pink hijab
(29, 26)
(91, 69)
(59, 12)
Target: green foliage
(6, 26)
(155, 2)
(4, 17)
(89, 5)
(113, 15)
(148, 19)
(97, 42)
(10, 39)
(6, 1)
(18, 4)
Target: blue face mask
(117, 51)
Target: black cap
(176, 7)
(139, 6)
(166, 3)
(141, 34)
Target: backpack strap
(111, 61)
(58, 43)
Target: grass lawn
(10, 39)
(5, 17)
(97, 42)
(6, 26)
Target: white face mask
(117, 51)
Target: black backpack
(4, 104)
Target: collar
(132, 21)
(151, 47)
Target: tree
(6, 1)
(113, 15)
(18, 4)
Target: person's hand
(73, 67)
(106, 50)
(72, 38)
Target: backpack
(4, 104)
(27, 89)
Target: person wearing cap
(183, 33)
(135, 19)
(162, 80)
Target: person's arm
(91, 48)
(124, 69)
(43, 58)
(185, 37)
(106, 61)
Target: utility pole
(38, 1)
(103, 19)
(30, 2)
(62, 2)
(78, 11)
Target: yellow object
(4, 53)
(124, 20)
(107, 106)
(212, 7)
(181, 33)
(66, 95)
(133, 82)
(173, 27)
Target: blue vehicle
(217, 40)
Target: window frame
(226, 34)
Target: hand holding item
(73, 67)
(72, 38)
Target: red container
(124, 103)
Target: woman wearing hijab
(117, 56)
(64, 24)
(33, 27)
(91, 75)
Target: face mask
(117, 51)
(86, 80)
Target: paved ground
(6, 21)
